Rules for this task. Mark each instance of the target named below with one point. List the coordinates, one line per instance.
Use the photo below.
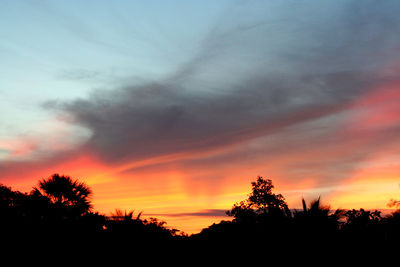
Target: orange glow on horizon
(167, 188)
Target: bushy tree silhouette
(7, 197)
(263, 199)
(260, 201)
(263, 214)
(364, 225)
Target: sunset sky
(173, 107)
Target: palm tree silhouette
(64, 192)
(317, 220)
(120, 215)
(315, 208)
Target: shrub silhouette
(123, 226)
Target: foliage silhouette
(65, 193)
(119, 215)
(59, 210)
(317, 221)
(260, 201)
(122, 225)
(262, 215)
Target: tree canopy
(65, 192)
(261, 200)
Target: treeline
(59, 208)
(265, 217)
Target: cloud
(202, 213)
(268, 82)
(78, 74)
(247, 79)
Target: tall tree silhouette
(65, 193)
(261, 201)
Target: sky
(172, 108)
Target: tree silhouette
(7, 197)
(261, 201)
(316, 209)
(263, 215)
(317, 220)
(65, 193)
(59, 210)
